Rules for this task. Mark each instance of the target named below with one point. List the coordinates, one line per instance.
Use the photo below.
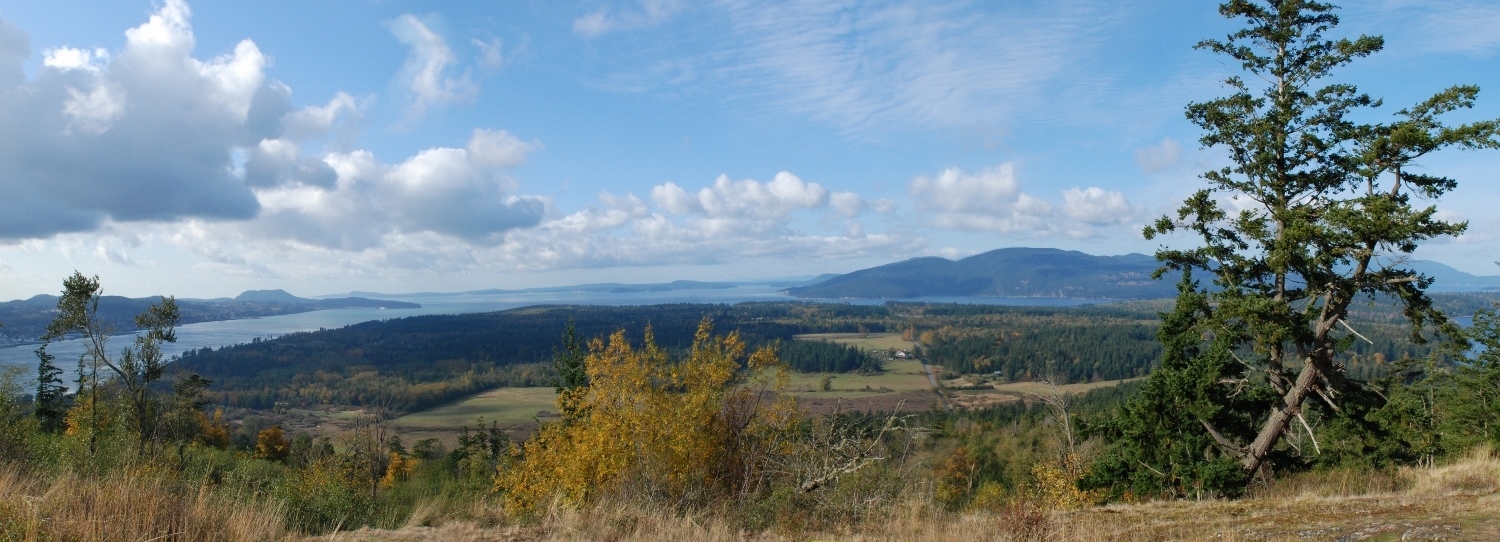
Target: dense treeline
(1091, 349)
(412, 363)
(826, 357)
(420, 361)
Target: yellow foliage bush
(271, 444)
(679, 432)
(398, 470)
(1054, 484)
(213, 431)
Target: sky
(204, 148)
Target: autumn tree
(1314, 211)
(134, 369)
(271, 444)
(682, 431)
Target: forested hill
(26, 320)
(1007, 272)
(411, 362)
(419, 361)
(1049, 272)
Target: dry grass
(125, 507)
(1476, 474)
(1460, 501)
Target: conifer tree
(1326, 216)
(50, 392)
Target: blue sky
(203, 148)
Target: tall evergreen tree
(1326, 217)
(572, 373)
(50, 391)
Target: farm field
(868, 341)
(899, 376)
(902, 384)
(507, 406)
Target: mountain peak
(269, 296)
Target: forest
(413, 363)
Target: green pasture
(508, 406)
(869, 341)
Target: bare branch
(1356, 333)
(1316, 448)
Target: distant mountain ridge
(618, 288)
(26, 320)
(1049, 272)
(1006, 272)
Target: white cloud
(1098, 207)
(848, 204)
(491, 52)
(745, 199)
(189, 143)
(425, 73)
(1159, 157)
(94, 111)
(316, 120)
(647, 13)
(990, 200)
(68, 58)
(593, 25)
(498, 148)
(141, 135)
(871, 69)
(1437, 26)
(459, 193)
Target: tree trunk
(1281, 418)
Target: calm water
(230, 332)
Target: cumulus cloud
(498, 148)
(1098, 207)
(848, 204)
(1159, 157)
(744, 199)
(990, 200)
(459, 193)
(153, 134)
(316, 120)
(275, 162)
(155, 124)
(333, 232)
(425, 74)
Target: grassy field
(869, 342)
(899, 376)
(1038, 388)
(508, 406)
